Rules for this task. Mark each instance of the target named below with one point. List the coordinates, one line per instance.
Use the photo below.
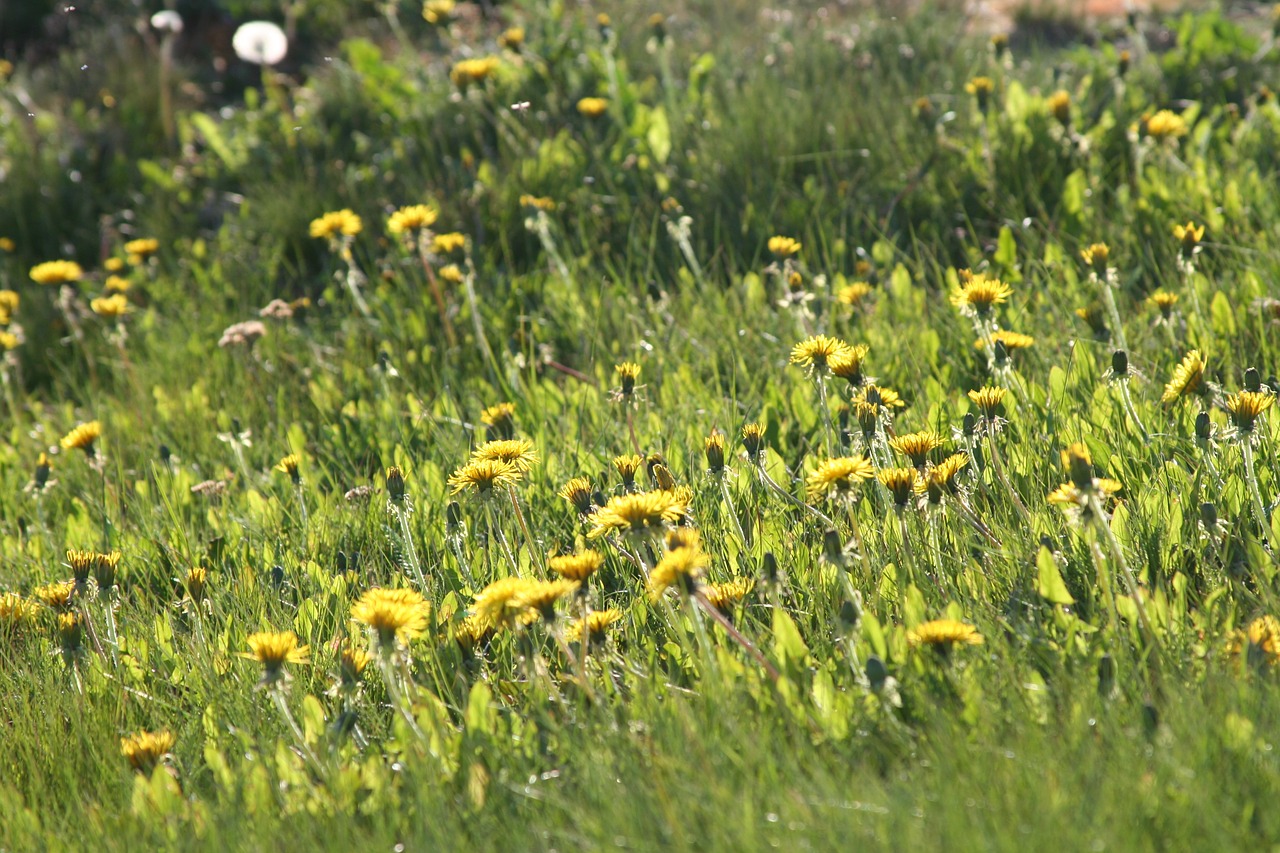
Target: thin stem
(1109, 300)
(278, 696)
(998, 465)
(410, 550)
(1251, 477)
(1133, 413)
(733, 513)
(736, 635)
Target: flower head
(516, 452)
(917, 446)
(641, 513)
(753, 439)
(943, 634)
(406, 220)
(1188, 236)
(1165, 124)
(847, 364)
(144, 750)
(988, 401)
(682, 568)
(437, 11)
(540, 597)
(940, 480)
(289, 465)
(978, 293)
(499, 420)
(784, 247)
(273, 650)
(838, 477)
(260, 42)
(578, 493)
(1188, 378)
(982, 89)
(141, 249)
(901, 483)
(1096, 256)
(512, 38)
(469, 71)
(594, 624)
(1247, 406)
(727, 595)
(448, 243)
(16, 615)
(713, 449)
(392, 614)
(1009, 340)
(83, 438)
(592, 107)
(483, 477)
(628, 372)
(56, 272)
(338, 223)
(1059, 104)
(817, 351)
(854, 294)
(110, 307)
(501, 604)
(1164, 301)
(55, 596)
(577, 567)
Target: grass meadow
(569, 426)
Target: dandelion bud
(714, 449)
(1120, 363)
(628, 372)
(453, 517)
(877, 673)
(196, 581)
(832, 547)
(968, 424)
(1079, 465)
(753, 439)
(658, 23)
(1150, 718)
(850, 613)
(42, 472)
(1252, 380)
(1209, 515)
(1122, 63)
(769, 567)
(1203, 427)
(277, 576)
(395, 484)
(1106, 676)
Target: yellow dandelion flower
(641, 513)
(784, 247)
(1011, 340)
(627, 465)
(83, 437)
(725, 596)
(854, 294)
(847, 364)
(838, 476)
(978, 293)
(116, 284)
(141, 249)
(578, 493)
(713, 449)
(516, 452)
(470, 71)
(917, 446)
(753, 439)
(628, 373)
(9, 301)
(595, 624)
(1262, 634)
(1189, 236)
(113, 264)
(1164, 301)
(1166, 124)
(535, 202)
(1096, 255)
(437, 11)
(578, 566)
(392, 614)
(451, 273)
(981, 88)
(540, 596)
(901, 483)
(817, 351)
(110, 307)
(289, 465)
(483, 477)
(878, 397)
(55, 596)
(448, 243)
(196, 581)
(144, 750)
(682, 568)
(338, 223)
(273, 650)
(944, 634)
(592, 107)
(499, 419)
(512, 38)
(410, 219)
(1247, 406)
(56, 272)
(1059, 104)
(352, 662)
(9, 341)
(1071, 496)
(1188, 378)
(988, 400)
(501, 604)
(16, 615)
(6, 243)
(940, 480)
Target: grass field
(711, 428)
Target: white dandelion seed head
(260, 42)
(167, 21)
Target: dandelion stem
(998, 465)
(277, 696)
(1251, 477)
(736, 635)
(1133, 413)
(733, 514)
(1131, 582)
(410, 549)
(1107, 285)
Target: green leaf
(479, 708)
(1007, 252)
(659, 135)
(1049, 583)
(787, 642)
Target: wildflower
(628, 372)
(289, 465)
(1059, 104)
(988, 400)
(338, 223)
(512, 38)
(273, 650)
(627, 465)
(395, 484)
(816, 351)
(9, 341)
(659, 474)
(940, 480)
(838, 477)
(1261, 640)
(1009, 340)
(501, 605)
(196, 581)
(943, 634)
(55, 596)
(682, 568)
(713, 449)
(639, 514)
(116, 285)
(537, 203)
(1096, 256)
(70, 635)
(1247, 406)
(578, 493)
(578, 566)
(724, 596)
(470, 71)
(753, 439)
(110, 307)
(978, 293)
(406, 220)
(9, 301)
(1189, 236)
(1164, 300)
(139, 250)
(1084, 486)
(484, 477)
(853, 294)
(516, 452)
(499, 420)
(56, 272)
(352, 662)
(113, 264)
(83, 438)
(917, 446)
(982, 89)
(144, 750)
(437, 11)
(784, 247)
(900, 482)
(592, 107)
(1165, 124)
(594, 624)
(392, 614)
(245, 333)
(876, 398)
(1188, 378)
(540, 597)
(16, 615)
(847, 364)
(447, 244)
(260, 42)
(103, 566)
(1122, 63)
